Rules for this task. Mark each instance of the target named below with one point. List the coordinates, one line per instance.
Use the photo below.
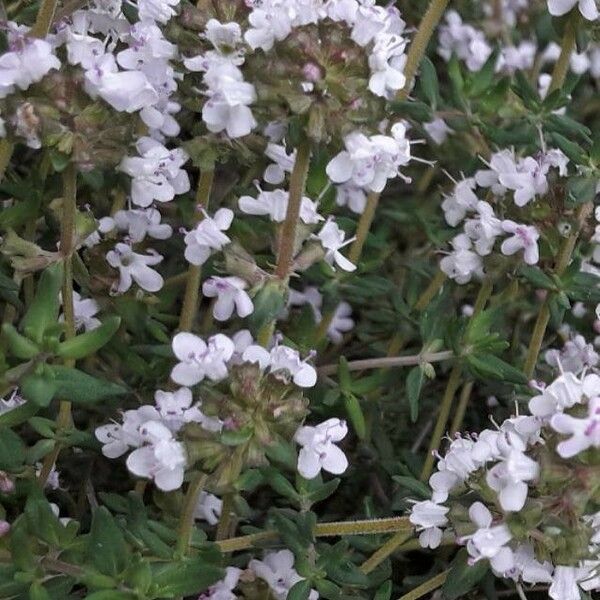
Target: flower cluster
(513, 481)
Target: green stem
(191, 296)
(186, 521)
(386, 550)
(6, 151)
(569, 39)
(435, 285)
(64, 420)
(363, 227)
(562, 262)
(225, 521)
(461, 409)
(287, 238)
(368, 527)
(429, 586)
(44, 18)
(419, 44)
(391, 361)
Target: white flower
(176, 409)
(157, 173)
(386, 61)
(117, 439)
(585, 433)
(429, 517)
(462, 264)
(484, 229)
(437, 130)
(370, 161)
(269, 22)
(529, 568)
(142, 222)
(208, 236)
(283, 163)
(341, 323)
(562, 393)
(231, 296)
(462, 200)
(13, 401)
(135, 267)
(575, 356)
(587, 8)
(489, 542)
(156, 10)
(524, 237)
(208, 508)
(163, 459)
(277, 569)
(508, 478)
(282, 360)
(275, 204)
(333, 240)
(319, 450)
(352, 196)
(85, 311)
(223, 590)
(200, 359)
(28, 60)
(564, 584)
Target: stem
(569, 39)
(430, 292)
(391, 361)
(189, 307)
(362, 229)
(44, 19)
(287, 240)
(186, 522)
(386, 550)
(369, 527)
(420, 42)
(440, 425)
(562, 262)
(6, 151)
(64, 419)
(429, 586)
(225, 520)
(461, 409)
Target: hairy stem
(64, 419)
(561, 68)
(44, 18)
(435, 285)
(461, 409)
(429, 586)
(362, 229)
(419, 44)
(287, 239)
(225, 521)
(386, 550)
(391, 361)
(369, 527)
(186, 521)
(562, 262)
(189, 307)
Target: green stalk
(191, 296)
(225, 521)
(64, 420)
(419, 44)
(362, 229)
(186, 521)
(562, 262)
(435, 285)
(569, 39)
(386, 550)
(287, 238)
(429, 586)
(44, 18)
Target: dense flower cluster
(515, 478)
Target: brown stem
(186, 521)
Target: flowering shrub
(262, 262)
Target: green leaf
(185, 578)
(482, 80)
(79, 387)
(42, 520)
(419, 111)
(18, 345)
(428, 81)
(12, 450)
(106, 548)
(582, 189)
(18, 415)
(268, 303)
(355, 414)
(111, 595)
(87, 343)
(463, 577)
(413, 485)
(414, 384)
(43, 311)
(571, 149)
(537, 277)
(38, 389)
(300, 590)
(9, 291)
(488, 366)
(236, 437)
